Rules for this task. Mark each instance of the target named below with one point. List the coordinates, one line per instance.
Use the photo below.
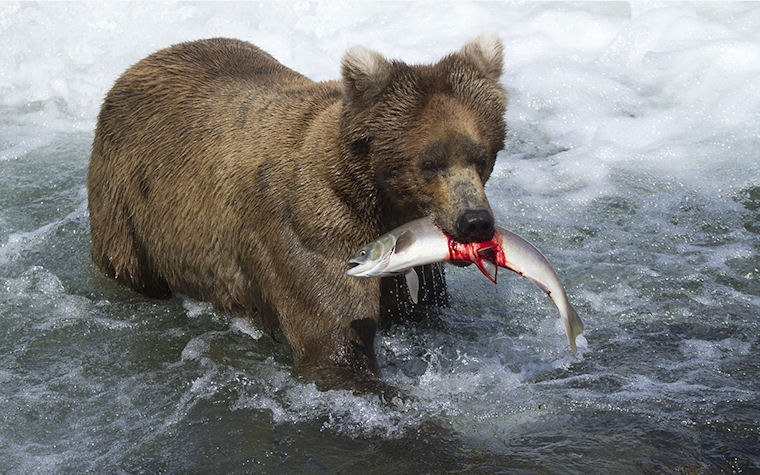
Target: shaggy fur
(220, 173)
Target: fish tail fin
(573, 327)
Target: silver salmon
(421, 242)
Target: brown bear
(219, 173)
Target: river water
(632, 162)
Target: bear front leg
(347, 362)
(350, 349)
(331, 330)
(352, 365)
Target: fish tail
(573, 327)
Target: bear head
(430, 133)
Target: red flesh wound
(477, 252)
(469, 252)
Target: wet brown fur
(220, 173)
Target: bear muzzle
(474, 225)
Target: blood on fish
(477, 253)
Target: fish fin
(488, 268)
(573, 327)
(413, 283)
(576, 325)
(404, 242)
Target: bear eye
(480, 161)
(431, 165)
(433, 160)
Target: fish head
(372, 259)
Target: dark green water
(95, 377)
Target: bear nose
(475, 224)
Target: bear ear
(365, 75)
(486, 53)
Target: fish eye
(363, 252)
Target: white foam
(55, 308)
(711, 352)
(195, 349)
(341, 411)
(195, 308)
(666, 88)
(244, 325)
(667, 92)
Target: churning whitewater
(632, 162)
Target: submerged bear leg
(351, 348)
(344, 361)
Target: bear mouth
(480, 237)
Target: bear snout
(475, 225)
